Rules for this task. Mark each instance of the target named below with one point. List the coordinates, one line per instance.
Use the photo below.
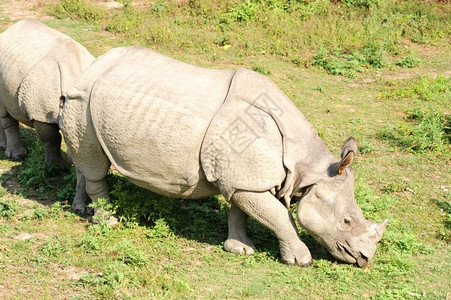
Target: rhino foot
(296, 254)
(16, 156)
(56, 160)
(84, 212)
(238, 247)
(304, 262)
(81, 210)
(80, 205)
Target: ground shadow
(31, 178)
(202, 220)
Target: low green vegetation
(427, 126)
(342, 37)
(375, 69)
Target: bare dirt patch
(24, 9)
(68, 272)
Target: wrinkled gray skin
(185, 131)
(37, 64)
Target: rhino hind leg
(14, 148)
(237, 241)
(92, 189)
(92, 168)
(2, 138)
(270, 212)
(81, 200)
(96, 190)
(49, 134)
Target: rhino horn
(380, 228)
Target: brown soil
(23, 9)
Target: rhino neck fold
(217, 110)
(254, 112)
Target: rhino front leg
(238, 241)
(266, 209)
(14, 148)
(49, 134)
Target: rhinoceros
(37, 64)
(185, 131)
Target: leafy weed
(9, 208)
(426, 127)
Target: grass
(391, 90)
(340, 37)
(427, 126)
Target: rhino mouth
(354, 258)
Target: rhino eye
(348, 221)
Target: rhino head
(328, 210)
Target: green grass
(391, 90)
(427, 126)
(343, 38)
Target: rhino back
(22, 46)
(37, 64)
(150, 114)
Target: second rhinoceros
(185, 131)
(37, 64)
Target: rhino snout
(346, 254)
(362, 260)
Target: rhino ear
(347, 154)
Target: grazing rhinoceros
(185, 131)
(37, 64)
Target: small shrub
(374, 55)
(111, 280)
(160, 230)
(53, 248)
(57, 10)
(357, 3)
(445, 207)
(77, 9)
(104, 210)
(128, 20)
(427, 126)
(3, 191)
(39, 214)
(408, 61)
(68, 190)
(160, 8)
(134, 203)
(9, 208)
(339, 63)
(261, 70)
(90, 242)
(427, 132)
(366, 147)
(56, 210)
(38, 179)
(129, 254)
(243, 12)
(34, 174)
(433, 90)
(4, 228)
